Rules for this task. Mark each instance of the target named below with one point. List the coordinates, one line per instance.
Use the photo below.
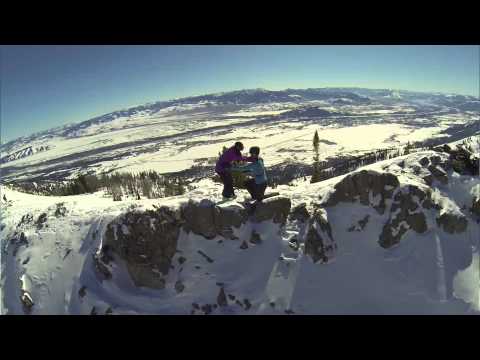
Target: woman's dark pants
(227, 180)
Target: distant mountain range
(340, 96)
(164, 132)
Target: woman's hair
(239, 145)
(255, 150)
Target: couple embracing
(256, 185)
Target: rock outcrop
(222, 298)
(101, 261)
(369, 187)
(179, 287)
(452, 223)
(275, 208)
(17, 241)
(438, 174)
(27, 302)
(209, 220)
(405, 214)
(319, 242)
(360, 224)
(299, 213)
(424, 161)
(476, 206)
(461, 159)
(373, 189)
(428, 179)
(146, 241)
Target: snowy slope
(433, 272)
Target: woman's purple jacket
(226, 159)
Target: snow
(430, 273)
(375, 200)
(361, 278)
(256, 113)
(401, 226)
(464, 283)
(137, 142)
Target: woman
(224, 165)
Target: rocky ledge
(147, 240)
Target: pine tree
(316, 141)
(146, 188)
(316, 177)
(116, 192)
(181, 187)
(407, 149)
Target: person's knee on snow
(250, 186)
(256, 186)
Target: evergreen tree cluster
(323, 170)
(147, 184)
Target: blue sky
(47, 86)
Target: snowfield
(433, 272)
(172, 136)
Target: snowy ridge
(20, 154)
(328, 258)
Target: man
(258, 184)
(224, 165)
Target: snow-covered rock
(147, 240)
(300, 213)
(360, 185)
(275, 208)
(147, 246)
(319, 242)
(209, 220)
(439, 174)
(476, 206)
(405, 213)
(452, 223)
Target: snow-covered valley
(173, 136)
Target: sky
(48, 86)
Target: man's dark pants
(256, 190)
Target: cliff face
(147, 241)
